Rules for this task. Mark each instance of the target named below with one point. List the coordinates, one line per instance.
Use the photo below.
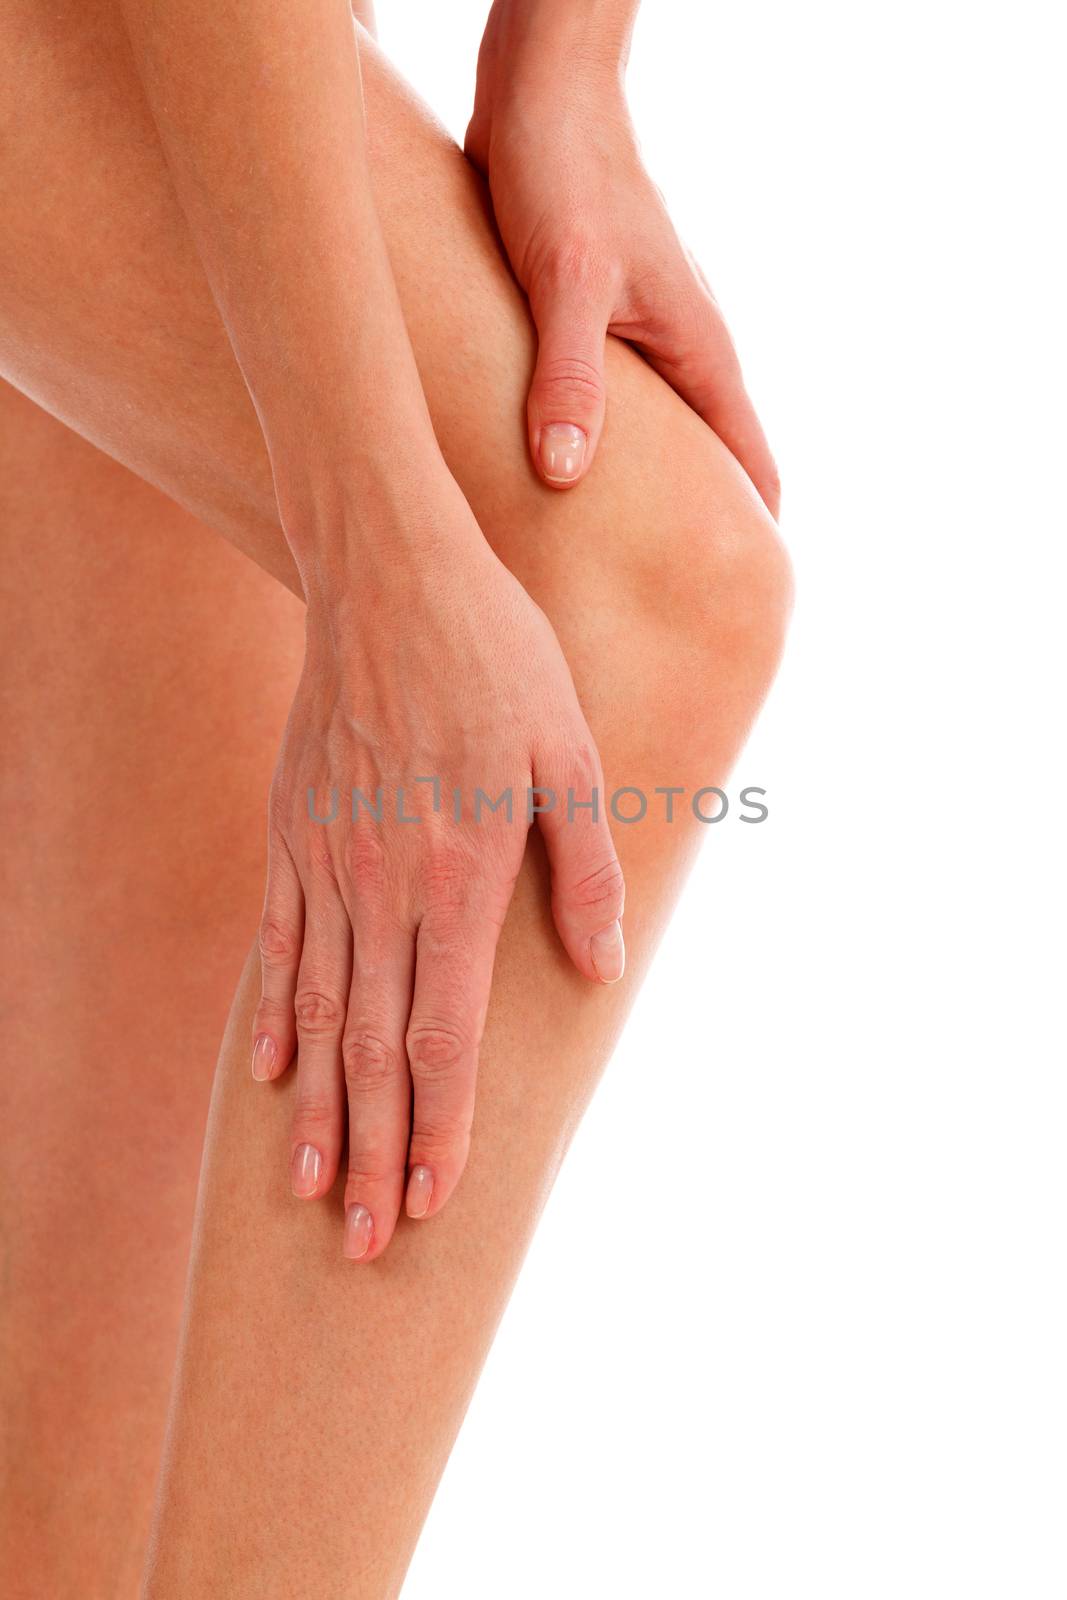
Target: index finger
(702, 367)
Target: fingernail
(305, 1171)
(608, 953)
(562, 451)
(264, 1055)
(359, 1226)
(420, 1192)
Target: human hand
(590, 240)
(378, 935)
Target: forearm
(535, 38)
(260, 114)
(541, 54)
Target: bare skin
(145, 687)
(668, 593)
(589, 237)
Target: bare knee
(713, 585)
(741, 583)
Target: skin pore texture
(146, 682)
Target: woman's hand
(425, 659)
(437, 678)
(589, 237)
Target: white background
(839, 1371)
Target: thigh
(107, 321)
(141, 703)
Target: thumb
(566, 405)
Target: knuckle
(436, 1053)
(369, 1062)
(584, 766)
(445, 877)
(561, 379)
(271, 1015)
(678, 298)
(441, 1143)
(602, 890)
(319, 1009)
(368, 1173)
(278, 942)
(370, 1167)
(313, 1112)
(320, 857)
(689, 331)
(651, 297)
(364, 862)
(577, 261)
(696, 309)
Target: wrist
(532, 46)
(381, 519)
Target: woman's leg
(139, 711)
(315, 1409)
(317, 1402)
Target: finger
(281, 931)
(453, 973)
(701, 364)
(378, 1084)
(588, 890)
(565, 410)
(321, 1006)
